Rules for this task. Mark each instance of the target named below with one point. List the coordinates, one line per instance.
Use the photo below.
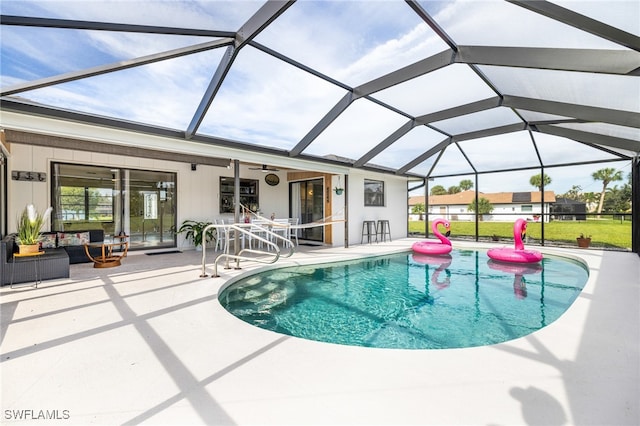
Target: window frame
(249, 194)
(374, 197)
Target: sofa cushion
(73, 238)
(96, 235)
(54, 263)
(48, 240)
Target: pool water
(409, 301)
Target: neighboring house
(507, 206)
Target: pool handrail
(241, 228)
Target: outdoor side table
(27, 257)
(122, 242)
(108, 258)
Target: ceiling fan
(265, 168)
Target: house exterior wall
(338, 211)
(394, 211)
(500, 213)
(456, 206)
(198, 192)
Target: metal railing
(610, 230)
(243, 229)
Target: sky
(562, 179)
(351, 42)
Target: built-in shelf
(248, 194)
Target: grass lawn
(603, 232)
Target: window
(86, 196)
(140, 203)
(248, 194)
(526, 208)
(373, 193)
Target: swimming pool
(409, 301)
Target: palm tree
(574, 193)
(536, 180)
(606, 175)
(590, 198)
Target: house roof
(415, 88)
(467, 197)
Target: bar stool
(369, 230)
(382, 230)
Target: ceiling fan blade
(265, 168)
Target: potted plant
(338, 188)
(193, 232)
(30, 223)
(584, 241)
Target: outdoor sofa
(60, 250)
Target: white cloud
(499, 23)
(418, 43)
(268, 102)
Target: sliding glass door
(307, 204)
(3, 194)
(138, 203)
(149, 198)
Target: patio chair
(258, 228)
(281, 228)
(293, 231)
(222, 237)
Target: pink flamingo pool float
(519, 270)
(435, 247)
(517, 254)
(441, 262)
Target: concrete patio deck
(148, 343)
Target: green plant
(30, 223)
(584, 241)
(484, 206)
(419, 210)
(193, 231)
(605, 232)
(338, 189)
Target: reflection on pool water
(409, 301)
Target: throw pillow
(48, 241)
(73, 238)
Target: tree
(438, 190)
(72, 203)
(484, 206)
(574, 193)
(590, 198)
(418, 209)
(466, 184)
(537, 181)
(616, 201)
(453, 190)
(606, 175)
